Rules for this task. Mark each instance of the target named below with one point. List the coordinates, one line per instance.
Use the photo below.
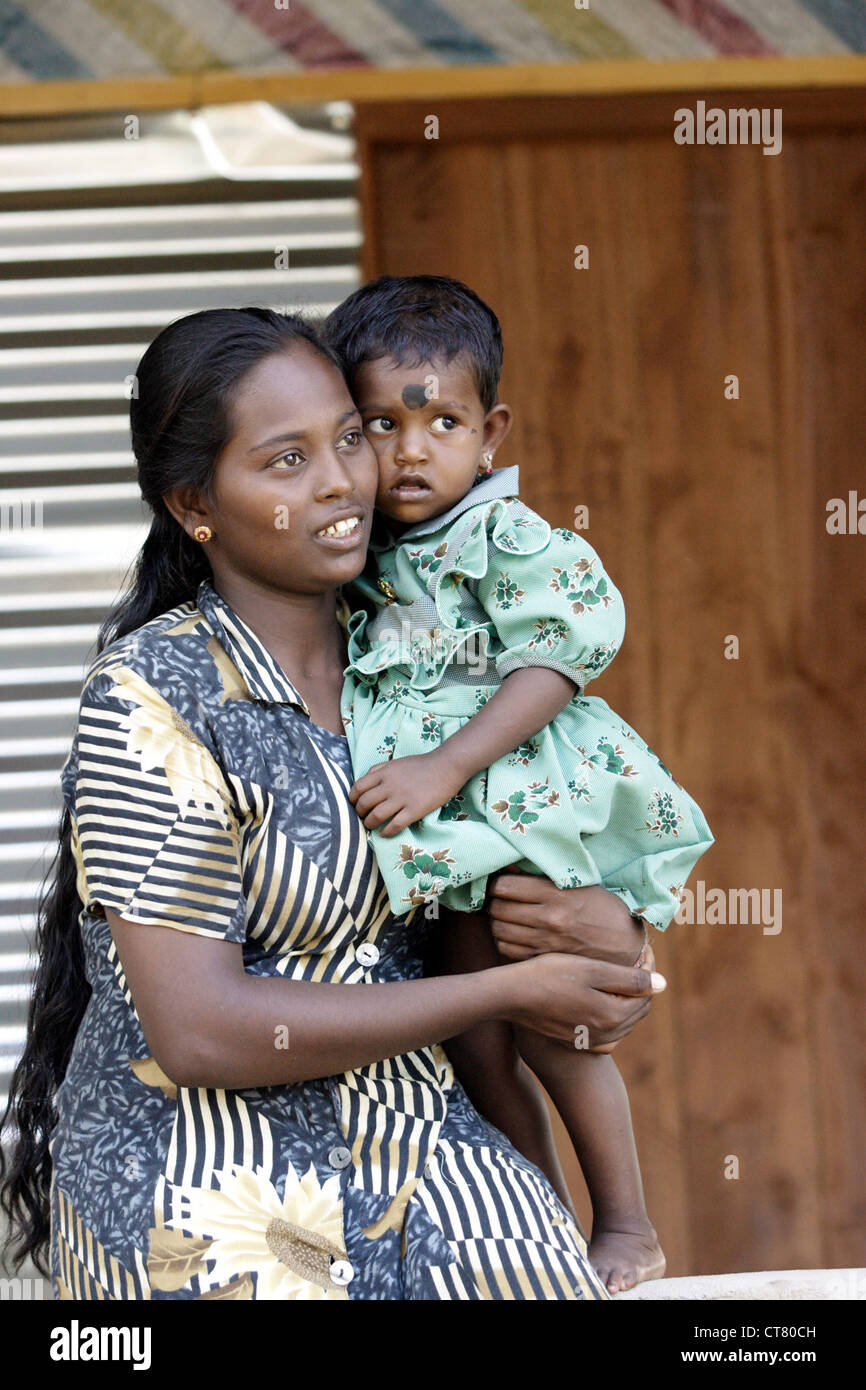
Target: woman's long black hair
(180, 415)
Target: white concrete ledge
(824, 1284)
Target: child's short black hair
(415, 319)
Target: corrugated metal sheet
(87, 277)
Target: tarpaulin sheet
(57, 40)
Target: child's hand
(404, 790)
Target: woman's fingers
(598, 1038)
(522, 887)
(587, 1002)
(510, 952)
(610, 1019)
(524, 914)
(589, 921)
(529, 941)
(625, 979)
(516, 933)
(619, 1029)
(621, 997)
(517, 940)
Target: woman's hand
(529, 915)
(405, 789)
(579, 1002)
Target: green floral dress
(440, 618)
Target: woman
(228, 1115)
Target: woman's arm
(405, 789)
(209, 1023)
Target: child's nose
(411, 446)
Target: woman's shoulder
(170, 654)
(153, 697)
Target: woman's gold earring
(202, 533)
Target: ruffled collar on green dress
(502, 482)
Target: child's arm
(559, 619)
(404, 790)
(525, 703)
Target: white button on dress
(367, 954)
(341, 1272)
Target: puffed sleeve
(545, 591)
(155, 833)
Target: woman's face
(296, 463)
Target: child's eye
(288, 460)
(379, 424)
(352, 438)
(444, 424)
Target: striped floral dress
(205, 800)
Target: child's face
(429, 430)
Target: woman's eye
(380, 424)
(352, 438)
(443, 424)
(288, 460)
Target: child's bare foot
(623, 1258)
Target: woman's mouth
(344, 534)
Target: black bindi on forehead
(414, 397)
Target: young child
(476, 629)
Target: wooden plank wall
(710, 514)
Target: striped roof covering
(57, 40)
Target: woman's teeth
(341, 528)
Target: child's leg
(485, 1058)
(590, 1095)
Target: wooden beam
(591, 114)
(188, 90)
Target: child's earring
(487, 469)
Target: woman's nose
(333, 478)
